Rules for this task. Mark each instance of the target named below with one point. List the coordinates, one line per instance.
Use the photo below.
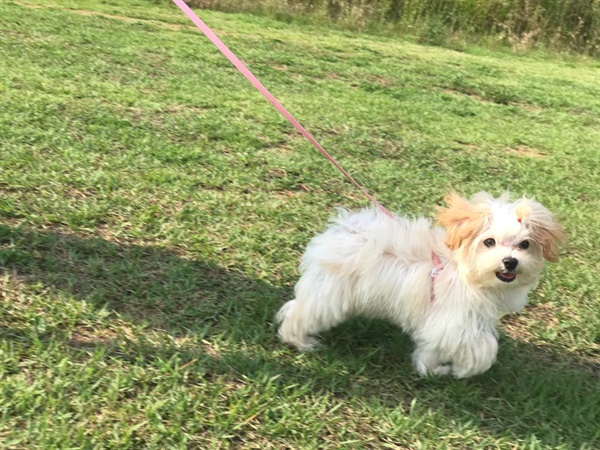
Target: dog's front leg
(427, 361)
(475, 355)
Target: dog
(446, 286)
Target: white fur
(371, 265)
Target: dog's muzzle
(508, 274)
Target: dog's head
(498, 242)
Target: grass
(153, 210)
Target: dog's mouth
(506, 277)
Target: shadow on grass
(145, 284)
(529, 391)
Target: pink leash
(263, 90)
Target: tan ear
(461, 219)
(545, 230)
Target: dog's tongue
(508, 275)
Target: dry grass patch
(526, 151)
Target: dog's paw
(439, 370)
(427, 363)
(303, 344)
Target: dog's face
(498, 243)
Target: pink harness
(438, 266)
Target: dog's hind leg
(320, 304)
(295, 327)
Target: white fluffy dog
(446, 287)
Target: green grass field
(154, 207)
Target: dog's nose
(510, 263)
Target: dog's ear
(544, 229)
(461, 219)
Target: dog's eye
(524, 245)
(489, 242)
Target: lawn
(154, 208)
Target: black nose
(510, 263)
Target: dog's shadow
(530, 390)
(530, 393)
